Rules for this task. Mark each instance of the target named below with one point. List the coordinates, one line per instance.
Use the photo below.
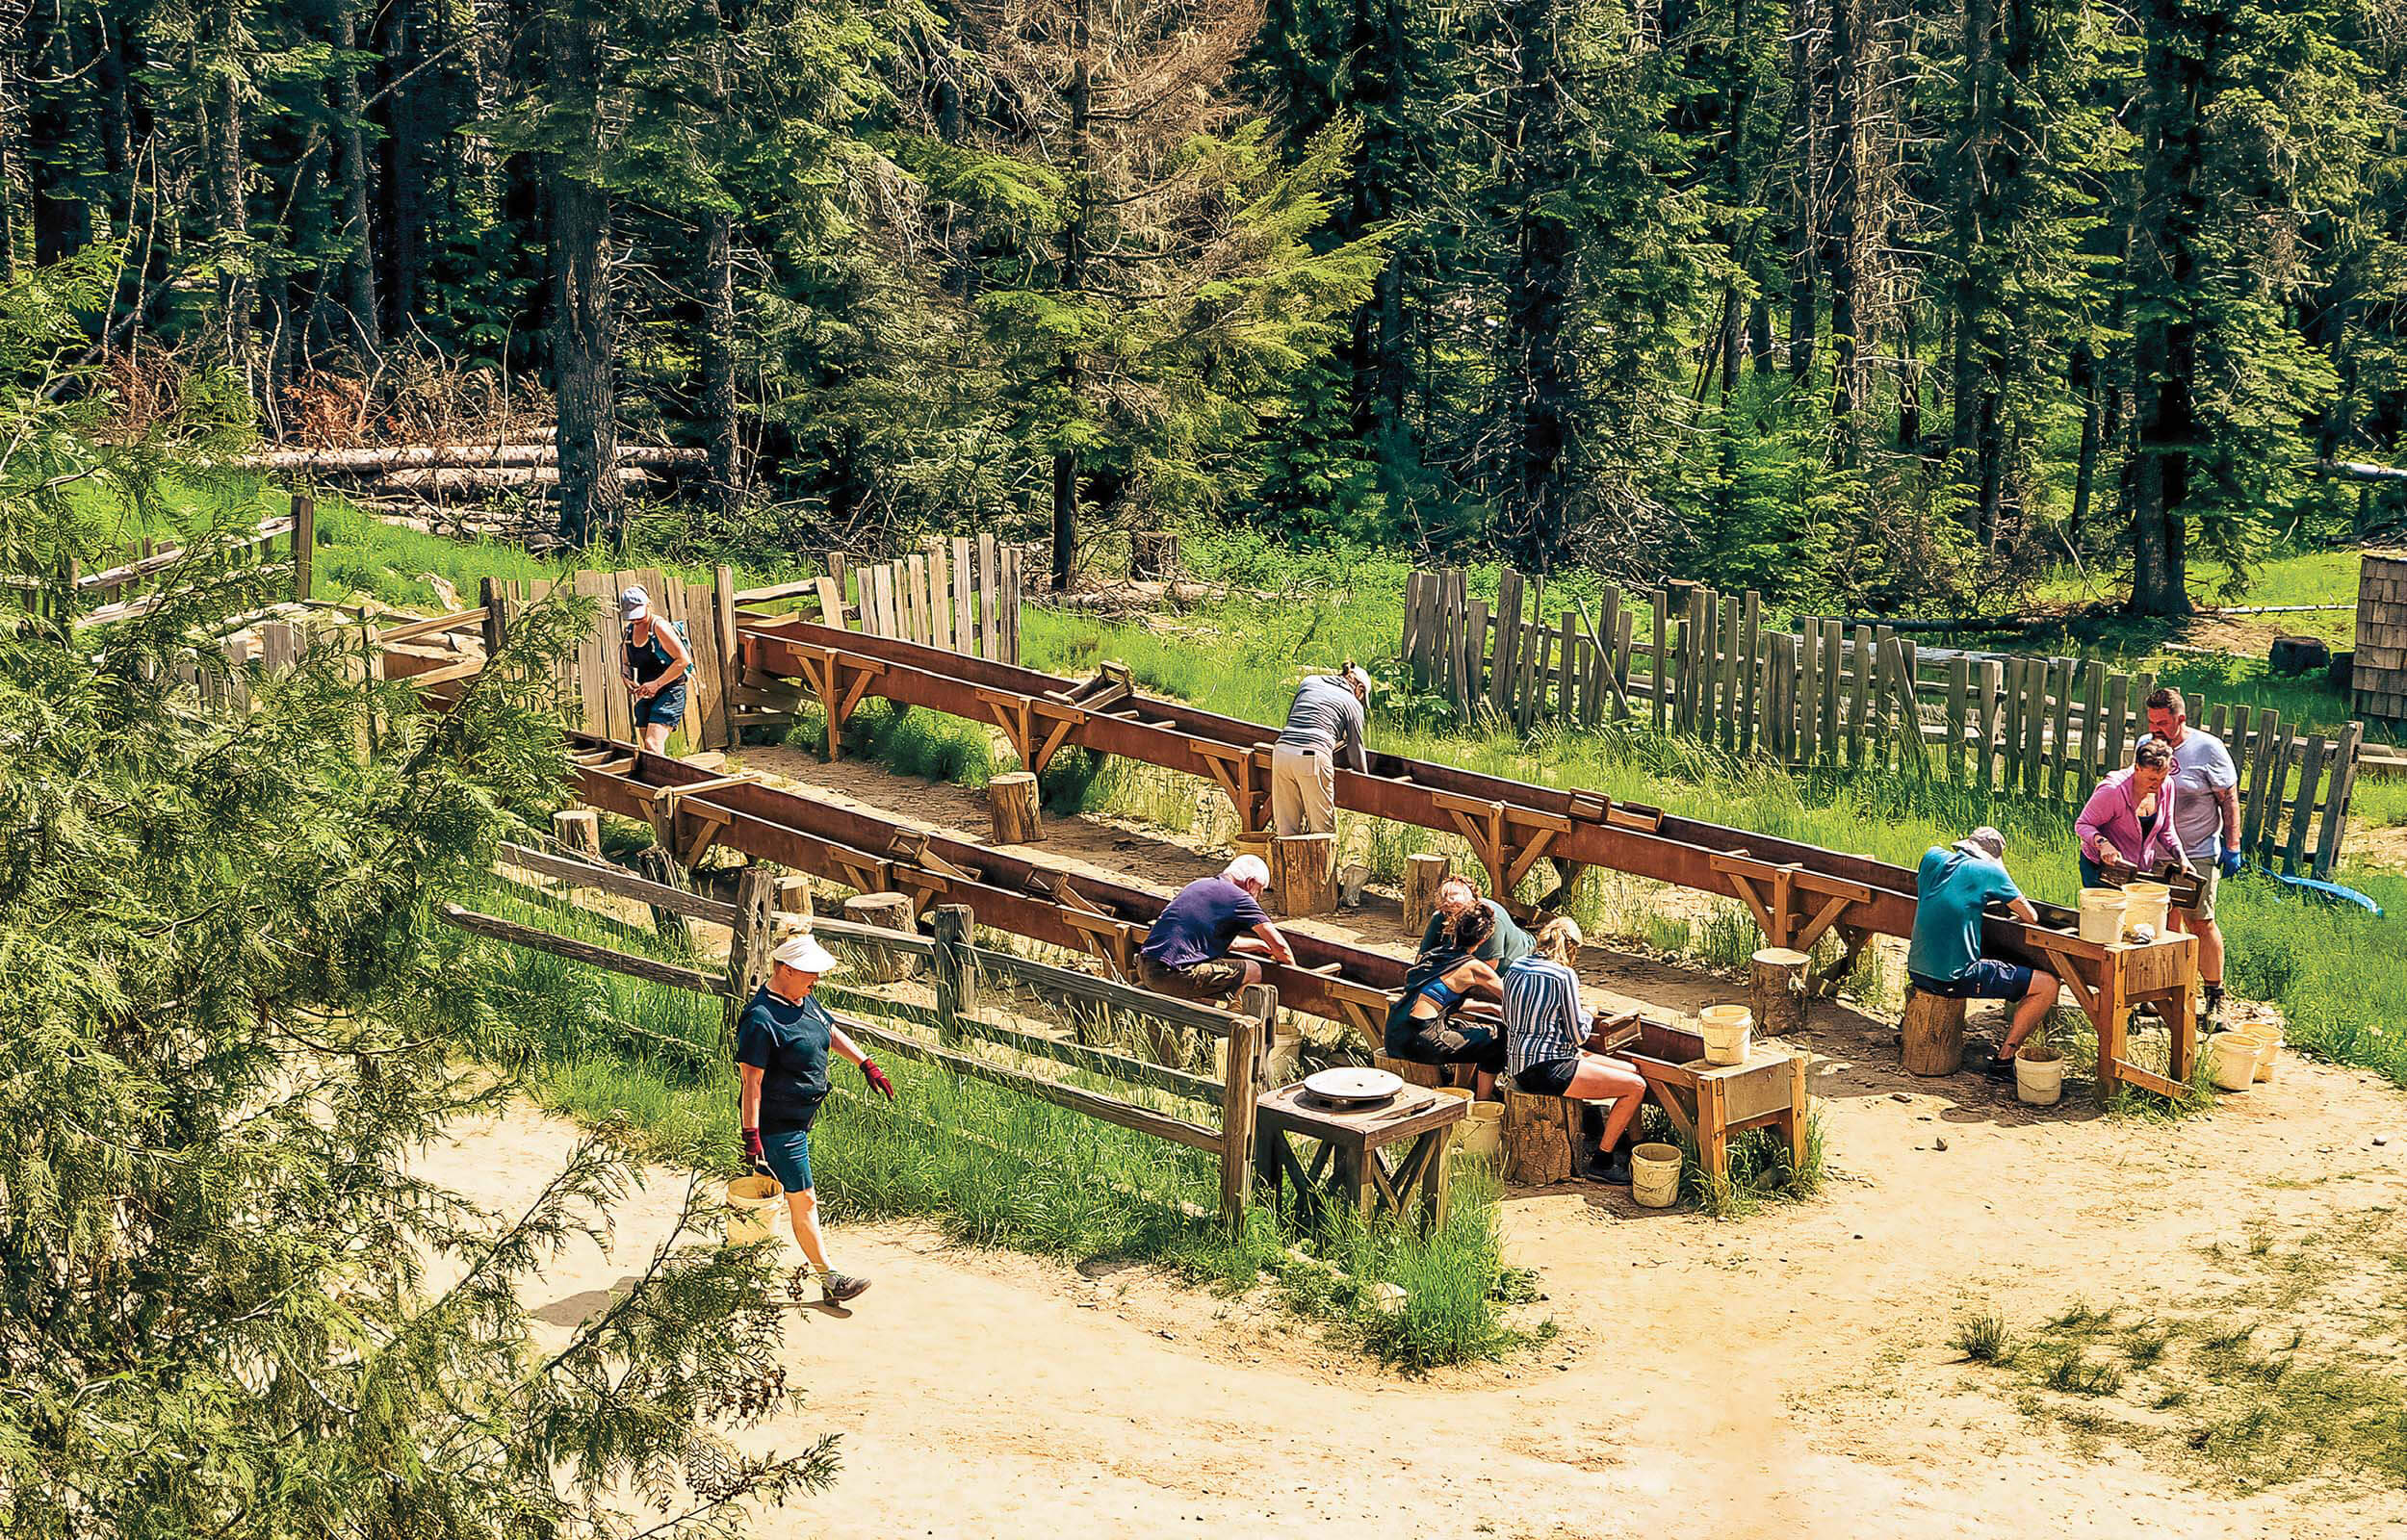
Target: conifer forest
(1883, 303)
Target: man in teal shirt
(1953, 886)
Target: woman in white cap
(782, 1043)
(654, 664)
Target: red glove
(876, 1077)
(753, 1151)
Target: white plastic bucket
(2102, 913)
(2146, 904)
(2232, 1060)
(1655, 1175)
(2039, 1076)
(1728, 1030)
(2267, 1036)
(1481, 1135)
(752, 1205)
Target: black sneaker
(1613, 1169)
(835, 1287)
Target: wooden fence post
(956, 977)
(1258, 1010)
(748, 949)
(304, 542)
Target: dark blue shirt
(1200, 923)
(787, 1041)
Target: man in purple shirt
(1188, 950)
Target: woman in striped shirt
(1546, 1038)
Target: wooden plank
(2092, 707)
(707, 717)
(2303, 805)
(1728, 676)
(2265, 814)
(1751, 667)
(1474, 654)
(831, 601)
(939, 596)
(989, 589)
(1860, 698)
(1833, 636)
(1809, 692)
(1107, 1108)
(965, 606)
(1502, 677)
(620, 883)
(576, 951)
(2035, 724)
(2060, 761)
(1012, 594)
(1568, 669)
(1662, 649)
(2336, 801)
(1959, 691)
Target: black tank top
(649, 661)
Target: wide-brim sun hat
(804, 954)
(1983, 841)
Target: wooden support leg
(2111, 1016)
(1712, 1130)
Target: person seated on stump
(1951, 887)
(1420, 1024)
(1507, 943)
(1547, 1045)
(1188, 951)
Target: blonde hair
(1558, 940)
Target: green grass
(992, 1167)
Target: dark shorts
(1550, 1079)
(1440, 1042)
(669, 707)
(787, 1155)
(1989, 980)
(2092, 875)
(1215, 978)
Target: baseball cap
(1358, 676)
(632, 601)
(1983, 841)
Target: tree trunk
(15, 183)
(350, 183)
(228, 209)
(592, 502)
(1759, 342)
(1845, 258)
(720, 427)
(1805, 184)
(1537, 324)
(1073, 254)
(2081, 378)
(2164, 339)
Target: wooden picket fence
(593, 697)
(1704, 666)
(957, 595)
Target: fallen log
(451, 457)
(491, 478)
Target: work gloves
(876, 1077)
(2232, 861)
(753, 1152)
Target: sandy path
(1785, 1374)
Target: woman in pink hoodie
(2127, 827)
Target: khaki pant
(1303, 792)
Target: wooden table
(1350, 1167)
(2108, 979)
(1710, 1102)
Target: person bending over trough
(1953, 886)
(2128, 826)
(1421, 1026)
(1188, 950)
(1546, 1037)
(1507, 943)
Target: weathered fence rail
(956, 966)
(1704, 665)
(960, 595)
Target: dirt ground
(1787, 1373)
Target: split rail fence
(956, 968)
(128, 588)
(1705, 666)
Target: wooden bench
(1711, 1102)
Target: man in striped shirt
(1546, 1035)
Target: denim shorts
(1988, 979)
(787, 1155)
(669, 707)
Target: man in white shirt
(2205, 820)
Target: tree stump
(655, 864)
(890, 911)
(792, 896)
(1302, 871)
(1153, 554)
(1540, 1139)
(1778, 993)
(1423, 874)
(1411, 1071)
(578, 831)
(1011, 800)
(1933, 1034)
